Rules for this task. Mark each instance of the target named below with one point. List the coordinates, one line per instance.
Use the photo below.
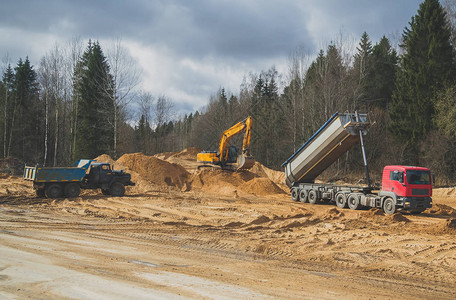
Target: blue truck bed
(59, 174)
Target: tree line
(78, 103)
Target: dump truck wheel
(341, 200)
(388, 206)
(106, 192)
(72, 190)
(294, 194)
(54, 190)
(303, 195)
(117, 189)
(353, 202)
(312, 197)
(40, 193)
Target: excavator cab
(228, 157)
(232, 154)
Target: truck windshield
(418, 177)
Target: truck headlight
(407, 204)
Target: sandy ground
(186, 238)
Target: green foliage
(94, 93)
(21, 112)
(426, 67)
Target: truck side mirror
(433, 179)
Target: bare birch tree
(126, 76)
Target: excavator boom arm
(234, 130)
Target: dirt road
(160, 243)
(170, 245)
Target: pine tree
(382, 73)
(26, 113)
(8, 109)
(426, 67)
(95, 93)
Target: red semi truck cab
(409, 187)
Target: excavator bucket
(245, 162)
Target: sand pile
(277, 177)
(229, 183)
(332, 214)
(444, 192)
(447, 227)
(398, 217)
(105, 158)
(189, 153)
(375, 212)
(262, 186)
(450, 225)
(164, 155)
(155, 170)
(441, 210)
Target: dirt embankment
(179, 169)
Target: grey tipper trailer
(331, 141)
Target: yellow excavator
(227, 157)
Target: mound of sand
(450, 224)
(105, 158)
(332, 214)
(189, 153)
(164, 155)
(229, 183)
(219, 181)
(441, 210)
(398, 217)
(444, 192)
(155, 170)
(448, 227)
(277, 177)
(375, 212)
(262, 186)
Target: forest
(78, 100)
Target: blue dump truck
(67, 182)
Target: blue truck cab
(56, 182)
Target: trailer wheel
(312, 196)
(72, 190)
(303, 195)
(54, 190)
(294, 194)
(117, 189)
(40, 193)
(389, 207)
(353, 202)
(341, 200)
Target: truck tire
(312, 196)
(388, 206)
(303, 195)
(294, 194)
(353, 202)
(40, 193)
(106, 192)
(117, 189)
(54, 190)
(341, 200)
(72, 190)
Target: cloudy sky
(188, 49)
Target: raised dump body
(331, 141)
